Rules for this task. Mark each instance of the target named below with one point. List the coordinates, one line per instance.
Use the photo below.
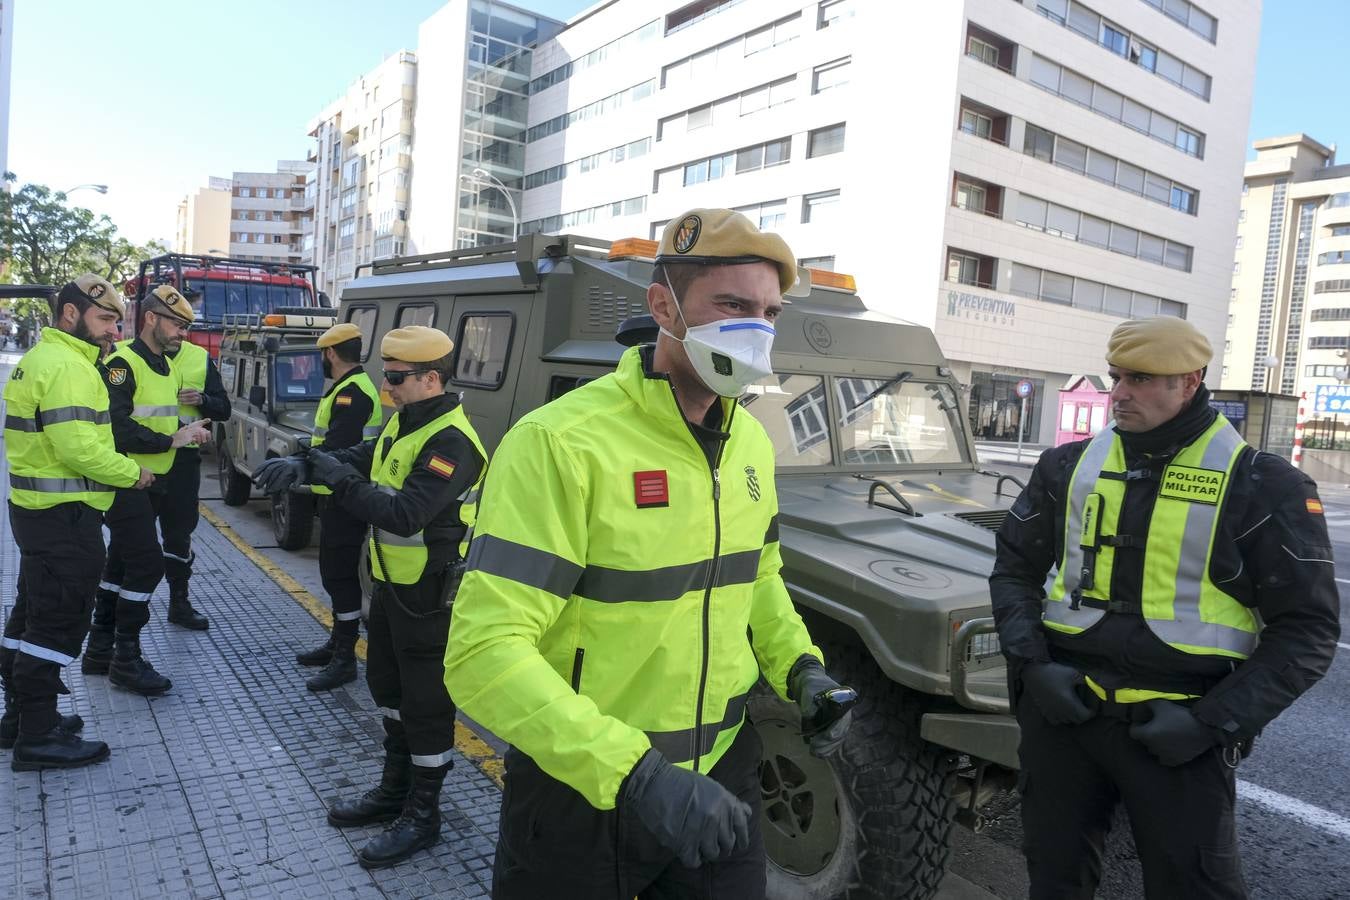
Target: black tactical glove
(278, 475)
(825, 705)
(324, 468)
(687, 812)
(1052, 685)
(1172, 734)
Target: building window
(1334, 258)
(1046, 146)
(832, 12)
(1340, 342)
(830, 75)
(974, 123)
(1340, 314)
(769, 215)
(970, 196)
(985, 53)
(1189, 15)
(963, 269)
(1340, 230)
(822, 207)
(1239, 242)
(825, 141)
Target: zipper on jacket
(576, 669)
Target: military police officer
(416, 486)
(1192, 601)
(201, 396)
(143, 391)
(63, 468)
(348, 414)
(622, 598)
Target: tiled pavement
(220, 787)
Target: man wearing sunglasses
(417, 487)
(143, 399)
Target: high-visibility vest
(154, 405)
(614, 580)
(324, 414)
(1180, 602)
(406, 557)
(190, 363)
(58, 432)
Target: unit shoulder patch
(1192, 484)
(117, 376)
(1314, 506)
(439, 465)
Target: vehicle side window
(363, 317)
(420, 314)
(482, 346)
(791, 407)
(244, 379)
(229, 368)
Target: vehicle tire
(235, 487)
(873, 822)
(292, 519)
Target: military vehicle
(886, 518)
(271, 369)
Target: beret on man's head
(91, 288)
(723, 237)
(1162, 345)
(166, 300)
(416, 344)
(339, 334)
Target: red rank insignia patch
(441, 466)
(1314, 506)
(651, 489)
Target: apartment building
(267, 213)
(203, 224)
(357, 192)
(1288, 326)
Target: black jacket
(427, 501)
(1271, 551)
(215, 403)
(347, 422)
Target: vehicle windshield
(904, 422)
(222, 298)
(791, 407)
(297, 376)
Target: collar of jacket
(82, 347)
(351, 373)
(155, 361)
(414, 415)
(653, 392)
(1168, 438)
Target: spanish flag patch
(343, 400)
(1314, 506)
(441, 466)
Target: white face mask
(727, 355)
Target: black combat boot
(321, 655)
(55, 749)
(341, 669)
(181, 612)
(133, 672)
(416, 828)
(9, 723)
(98, 650)
(381, 803)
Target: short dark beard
(83, 333)
(327, 368)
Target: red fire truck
(227, 286)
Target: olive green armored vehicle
(271, 369)
(886, 519)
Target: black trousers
(340, 538)
(1072, 778)
(60, 555)
(405, 668)
(553, 843)
(178, 515)
(135, 564)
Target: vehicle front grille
(989, 519)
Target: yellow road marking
(469, 744)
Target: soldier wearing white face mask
(623, 596)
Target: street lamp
(101, 188)
(1271, 362)
(486, 175)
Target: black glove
(1052, 685)
(1172, 734)
(324, 468)
(687, 812)
(279, 474)
(825, 705)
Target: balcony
(984, 122)
(991, 49)
(972, 269)
(977, 196)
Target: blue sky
(153, 96)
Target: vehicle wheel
(874, 822)
(292, 519)
(235, 487)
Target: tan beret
(415, 344)
(96, 290)
(339, 334)
(721, 237)
(1163, 345)
(165, 299)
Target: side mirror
(257, 396)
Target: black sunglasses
(398, 377)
